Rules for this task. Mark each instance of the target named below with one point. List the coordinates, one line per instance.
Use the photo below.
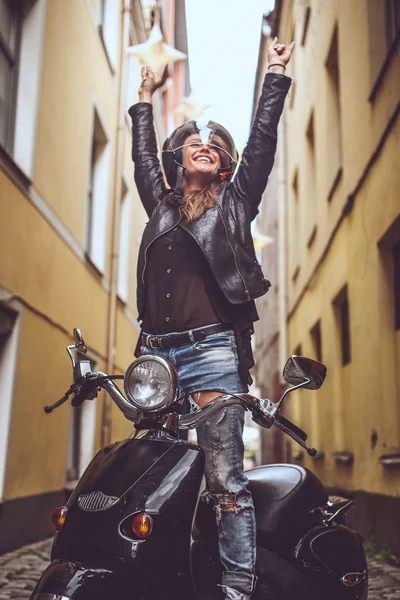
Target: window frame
(111, 47)
(81, 447)
(98, 196)
(316, 338)
(124, 242)
(341, 307)
(17, 152)
(396, 290)
(8, 369)
(392, 41)
(333, 82)
(13, 59)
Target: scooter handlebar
(265, 413)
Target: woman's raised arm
(148, 175)
(258, 156)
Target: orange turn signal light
(142, 525)
(58, 516)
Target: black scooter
(128, 530)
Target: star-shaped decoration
(155, 53)
(192, 108)
(260, 240)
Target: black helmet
(212, 134)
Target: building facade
(69, 234)
(341, 216)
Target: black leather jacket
(222, 232)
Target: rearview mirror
(299, 368)
(79, 343)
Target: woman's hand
(150, 83)
(279, 56)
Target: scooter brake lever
(296, 438)
(49, 408)
(302, 434)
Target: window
(295, 233)
(124, 237)
(316, 340)
(292, 71)
(297, 351)
(22, 28)
(310, 177)
(81, 435)
(307, 16)
(10, 30)
(384, 31)
(388, 318)
(396, 265)
(97, 201)
(334, 124)
(389, 246)
(76, 426)
(9, 332)
(341, 307)
(109, 29)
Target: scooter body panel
(329, 553)
(160, 478)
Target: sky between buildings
(223, 39)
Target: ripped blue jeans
(213, 365)
(221, 439)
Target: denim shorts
(209, 365)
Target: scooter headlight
(150, 383)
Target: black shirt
(182, 294)
(179, 294)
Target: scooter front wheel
(49, 597)
(65, 580)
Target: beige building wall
(67, 199)
(343, 233)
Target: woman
(198, 277)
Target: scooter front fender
(64, 580)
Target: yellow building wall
(364, 395)
(41, 269)
(361, 399)
(76, 75)
(362, 121)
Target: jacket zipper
(156, 238)
(246, 291)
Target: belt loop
(191, 336)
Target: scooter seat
(282, 495)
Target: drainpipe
(282, 246)
(119, 157)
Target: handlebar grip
(299, 432)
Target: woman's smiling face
(200, 160)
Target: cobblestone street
(20, 570)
